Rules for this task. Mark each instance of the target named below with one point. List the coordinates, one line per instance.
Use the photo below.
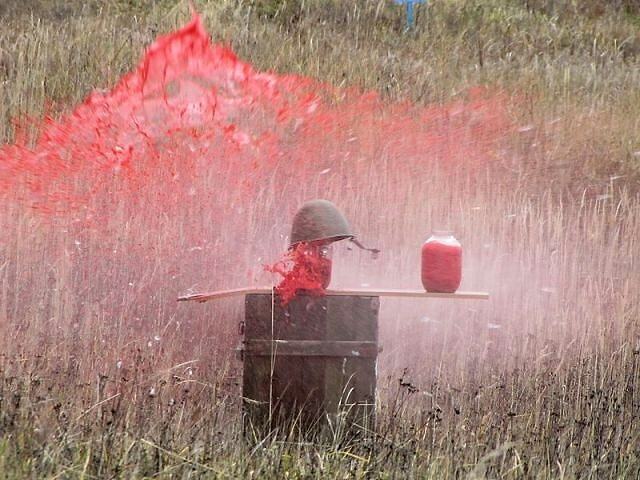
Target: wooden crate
(313, 361)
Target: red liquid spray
(196, 152)
(191, 107)
(305, 268)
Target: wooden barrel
(312, 362)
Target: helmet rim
(319, 220)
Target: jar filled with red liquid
(441, 263)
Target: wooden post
(311, 362)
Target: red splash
(191, 108)
(184, 106)
(302, 269)
(188, 171)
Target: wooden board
(204, 297)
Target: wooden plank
(203, 297)
(352, 318)
(411, 293)
(350, 382)
(303, 319)
(310, 348)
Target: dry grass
(103, 376)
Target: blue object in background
(410, 10)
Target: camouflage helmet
(319, 220)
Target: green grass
(540, 382)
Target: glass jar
(441, 263)
(317, 262)
(325, 254)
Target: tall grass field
(514, 123)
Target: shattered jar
(319, 259)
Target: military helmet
(319, 220)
